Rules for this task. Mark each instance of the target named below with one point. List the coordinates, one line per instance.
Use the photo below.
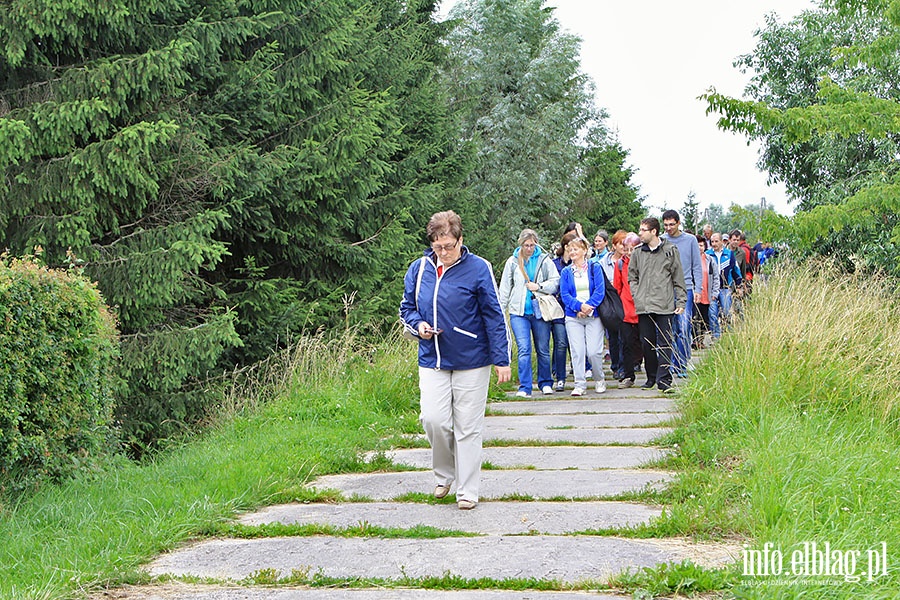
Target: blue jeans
(721, 304)
(682, 333)
(560, 348)
(524, 328)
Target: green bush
(59, 346)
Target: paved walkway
(541, 501)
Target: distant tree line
(232, 174)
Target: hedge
(58, 348)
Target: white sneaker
(588, 374)
(560, 386)
(601, 386)
(578, 391)
(522, 394)
(547, 390)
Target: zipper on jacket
(437, 284)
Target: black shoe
(648, 384)
(663, 387)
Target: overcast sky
(650, 59)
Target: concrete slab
(612, 393)
(599, 436)
(184, 591)
(490, 518)
(562, 558)
(497, 484)
(560, 406)
(546, 457)
(605, 420)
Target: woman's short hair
(701, 240)
(528, 234)
(602, 233)
(444, 223)
(618, 237)
(632, 239)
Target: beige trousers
(451, 407)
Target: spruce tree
(228, 172)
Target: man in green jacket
(657, 285)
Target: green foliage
(824, 103)
(542, 153)
(228, 174)
(674, 578)
(332, 398)
(690, 213)
(56, 375)
(607, 198)
(774, 430)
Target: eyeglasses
(438, 248)
(643, 229)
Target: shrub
(59, 345)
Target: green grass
(790, 434)
(790, 431)
(342, 398)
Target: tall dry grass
(813, 335)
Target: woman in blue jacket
(450, 303)
(582, 287)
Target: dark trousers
(631, 348)
(700, 322)
(615, 351)
(657, 341)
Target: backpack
(752, 259)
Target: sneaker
(522, 394)
(588, 374)
(664, 387)
(578, 391)
(466, 505)
(547, 390)
(626, 383)
(441, 490)
(648, 384)
(601, 386)
(560, 386)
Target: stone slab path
(547, 457)
(553, 466)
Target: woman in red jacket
(629, 336)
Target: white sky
(650, 59)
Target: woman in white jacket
(529, 271)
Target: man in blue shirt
(692, 266)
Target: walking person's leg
(560, 350)
(578, 348)
(665, 342)
(521, 328)
(436, 416)
(470, 389)
(595, 337)
(647, 331)
(540, 330)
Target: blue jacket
(464, 305)
(728, 268)
(596, 283)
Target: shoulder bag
(547, 305)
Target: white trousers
(451, 405)
(585, 341)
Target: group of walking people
(453, 307)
